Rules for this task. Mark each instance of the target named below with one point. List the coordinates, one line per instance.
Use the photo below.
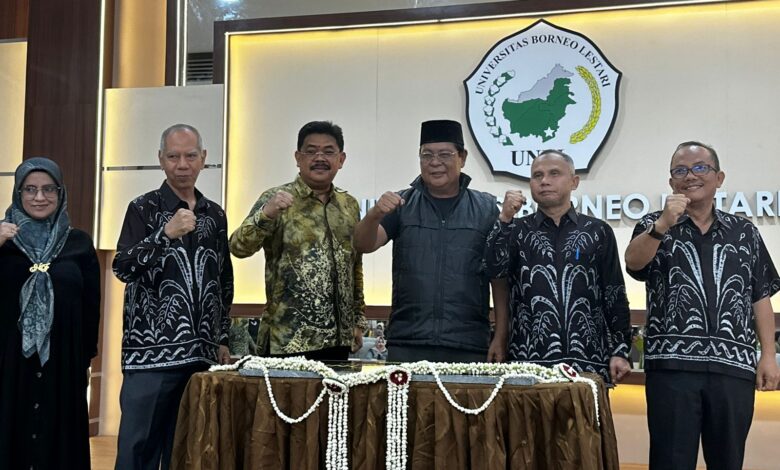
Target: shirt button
(36, 406)
(39, 374)
(34, 436)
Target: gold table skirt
(226, 422)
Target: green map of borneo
(538, 111)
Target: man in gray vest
(438, 227)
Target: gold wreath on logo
(595, 110)
(489, 109)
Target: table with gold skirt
(226, 421)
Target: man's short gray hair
(569, 161)
(180, 127)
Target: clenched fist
(673, 208)
(279, 203)
(389, 202)
(513, 201)
(7, 231)
(182, 223)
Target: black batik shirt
(700, 294)
(179, 292)
(567, 295)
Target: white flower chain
(336, 454)
(280, 413)
(397, 418)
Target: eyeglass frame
(428, 156)
(26, 193)
(324, 153)
(691, 170)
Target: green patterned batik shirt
(313, 276)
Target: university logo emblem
(541, 88)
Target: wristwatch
(654, 233)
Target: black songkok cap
(441, 131)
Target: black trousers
(150, 405)
(683, 407)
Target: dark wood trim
(377, 312)
(389, 17)
(637, 377)
(108, 47)
(373, 312)
(638, 317)
(170, 43)
(382, 312)
(247, 310)
(14, 17)
(94, 403)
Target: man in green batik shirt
(313, 276)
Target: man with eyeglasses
(568, 297)
(709, 279)
(438, 227)
(313, 276)
(172, 253)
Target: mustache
(319, 166)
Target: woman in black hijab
(50, 294)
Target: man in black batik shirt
(567, 296)
(709, 278)
(173, 256)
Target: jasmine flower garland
(398, 378)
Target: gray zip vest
(440, 291)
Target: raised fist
(182, 223)
(278, 203)
(673, 208)
(7, 231)
(513, 201)
(389, 202)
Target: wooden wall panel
(171, 32)
(62, 95)
(13, 18)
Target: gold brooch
(42, 267)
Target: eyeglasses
(699, 169)
(49, 191)
(444, 156)
(325, 153)
(190, 157)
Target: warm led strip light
(99, 131)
